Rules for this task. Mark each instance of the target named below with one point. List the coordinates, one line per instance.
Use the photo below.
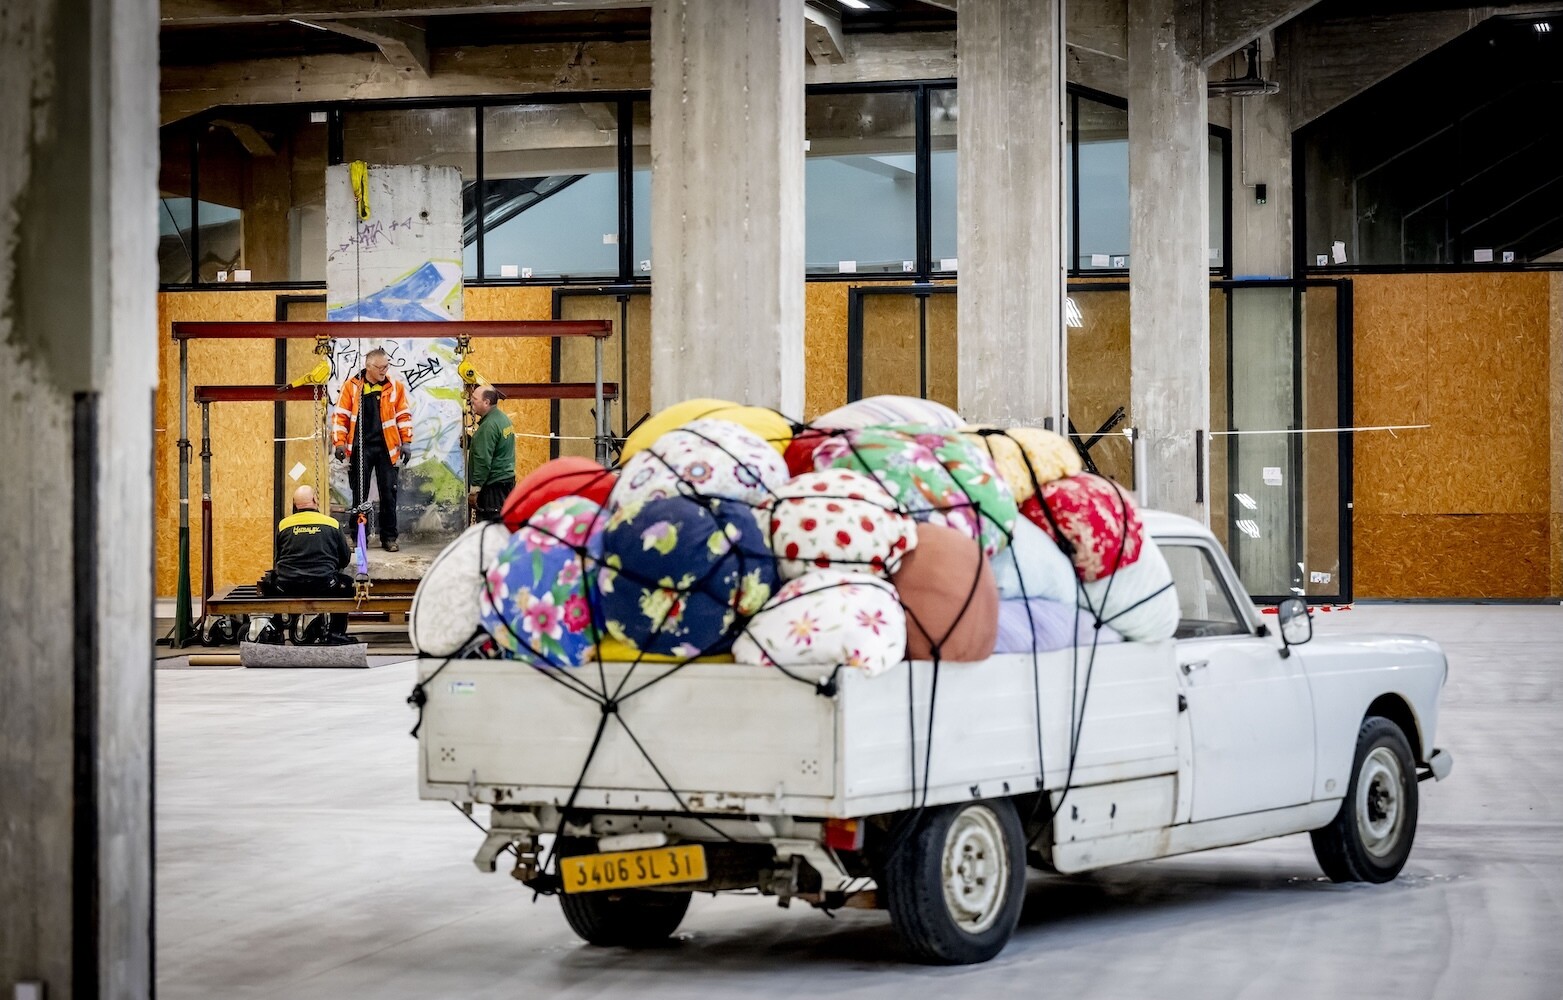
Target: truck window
(1205, 607)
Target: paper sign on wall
(1272, 475)
(1100, 260)
(1338, 251)
(1317, 577)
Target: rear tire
(634, 918)
(1370, 837)
(956, 884)
(630, 918)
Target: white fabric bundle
(1157, 617)
(446, 608)
(828, 617)
(1036, 560)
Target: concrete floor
(295, 860)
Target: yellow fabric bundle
(771, 426)
(1051, 456)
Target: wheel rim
(975, 869)
(1381, 812)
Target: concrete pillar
(78, 277)
(1010, 241)
(1169, 203)
(727, 202)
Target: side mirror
(1296, 623)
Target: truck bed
(735, 739)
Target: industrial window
(860, 178)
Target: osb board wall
(242, 458)
(1555, 396)
(824, 346)
(1321, 455)
(628, 348)
(895, 331)
(516, 359)
(1465, 508)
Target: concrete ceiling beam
(822, 37)
(404, 44)
(1228, 25)
(199, 12)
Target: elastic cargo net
(836, 519)
(539, 602)
(828, 617)
(707, 458)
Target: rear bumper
(1438, 765)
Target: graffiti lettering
(369, 235)
(422, 372)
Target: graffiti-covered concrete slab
(401, 260)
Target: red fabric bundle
(561, 477)
(1098, 518)
(800, 451)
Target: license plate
(633, 869)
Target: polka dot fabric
(710, 458)
(836, 519)
(828, 617)
(1097, 517)
(538, 601)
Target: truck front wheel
(1370, 838)
(956, 883)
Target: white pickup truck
(928, 791)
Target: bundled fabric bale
(880, 410)
(611, 650)
(1034, 566)
(1027, 456)
(447, 611)
(704, 458)
(538, 600)
(770, 426)
(836, 519)
(1138, 600)
(1097, 518)
(935, 475)
(800, 453)
(952, 605)
(828, 617)
(678, 575)
(1042, 626)
(561, 477)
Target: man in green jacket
(493, 452)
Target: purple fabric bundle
(1054, 623)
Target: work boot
(390, 545)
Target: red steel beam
(252, 394)
(598, 328)
(555, 390)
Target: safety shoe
(391, 546)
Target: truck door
(1250, 710)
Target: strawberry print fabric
(828, 617)
(935, 475)
(1097, 517)
(679, 576)
(836, 519)
(538, 601)
(707, 458)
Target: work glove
(406, 457)
(341, 454)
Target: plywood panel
(1098, 374)
(943, 350)
(1443, 556)
(628, 348)
(892, 347)
(242, 459)
(1321, 452)
(824, 346)
(1555, 407)
(1391, 388)
(516, 359)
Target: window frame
(1247, 613)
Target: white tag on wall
(1317, 577)
(1338, 252)
(1322, 260)
(1120, 262)
(241, 275)
(297, 472)
(510, 270)
(908, 267)
(1272, 475)
(1483, 256)
(610, 239)
(526, 272)
(1508, 256)
(947, 263)
(1101, 260)
(846, 267)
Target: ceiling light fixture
(308, 24)
(855, 4)
(1543, 26)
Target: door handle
(1193, 665)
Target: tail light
(844, 834)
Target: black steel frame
(1343, 390)
(623, 293)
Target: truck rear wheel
(955, 886)
(1370, 838)
(634, 918)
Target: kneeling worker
(311, 554)
(493, 451)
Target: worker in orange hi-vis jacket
(381, 442)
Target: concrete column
(1010, 241)
(78, 235)
(727, 202)
(1169, 202)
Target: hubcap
(975, 869)
(1380, 806)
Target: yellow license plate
(633, 869)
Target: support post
(727, 201)
(183, 616)
(1009, 195)
(1169, 277)
(600, 414)
(206, 507)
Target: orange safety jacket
(395, 416)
